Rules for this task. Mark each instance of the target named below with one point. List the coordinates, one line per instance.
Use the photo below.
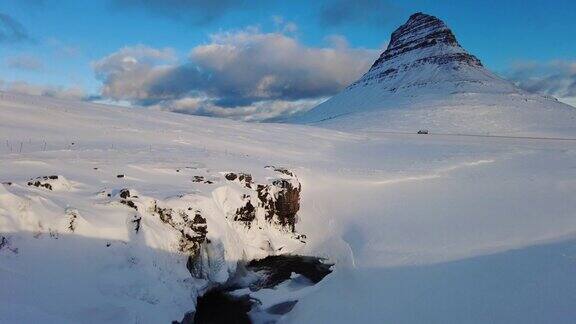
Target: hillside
(420, 229)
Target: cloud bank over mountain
(555, 78)
(246, 74)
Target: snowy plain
(422, 228)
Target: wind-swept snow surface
(421, 228)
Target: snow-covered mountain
(425, 79)
(424, 55)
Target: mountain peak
(425, 36)
(422, 29)
(423, 52)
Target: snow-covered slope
(102, 208)
(425, 79)
(138, 211)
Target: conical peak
(422, 27)
(420, 33)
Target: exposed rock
(125, 196)
(243, 178)
(246, 214)
(230, 176)
(221, 305)
(281, 201)
(124, 193)
(43, 182)
(278, 268)
(129, 203)
(165, 214)
(201, 179)
(72, 215)
(136, 221)
(120, 176)
(287, 203)
(193, 231)
(40, 184)
(278, 200)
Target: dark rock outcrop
(202, 179)
(278, 268)
(243, 178)
(281, 201)
(72, 215)
(193, 231)
(42, 182)
(246, 214)
(220, 305)
(136, 220)
(125, 196)
(129, 203)
(124, 193)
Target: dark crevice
(220, 305)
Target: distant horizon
(258, 60)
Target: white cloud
(129, 73)
(235, 74)
(555, 78)
(73, 93)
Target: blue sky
(58, 42)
